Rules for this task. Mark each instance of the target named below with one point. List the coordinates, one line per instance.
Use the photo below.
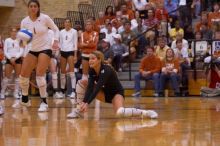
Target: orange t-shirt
(150, 63)
(129, 14)
(171, 64)
(214, 17)
(91, 40)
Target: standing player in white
(13, 53)
(68, 51)
(40, 52)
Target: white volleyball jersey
(39, 28)
(12, 48)
(68, 40)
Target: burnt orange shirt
(91, 41)
(172, 64)
(150, 63)
(214, 16)
(129, 14)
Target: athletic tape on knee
(24, 84)
(42, 85)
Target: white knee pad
(41, 81)
(24, 84)
(81, 89)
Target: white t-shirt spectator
(184, 42)
(139, 4)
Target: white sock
(63, 81)
(73, 80)
(128, 112)
(84, 77)
(16, 86)
(24, 84)
(4, 85)
(42, 85)
(54, 80)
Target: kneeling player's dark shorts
(47, 52)
(66, 54)
(110, 96)
(17, 61)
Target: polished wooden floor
(182, 122)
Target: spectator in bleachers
(109, 13)
(106, 27)
(127, 35)
(141, 40)
(182, 54)
(196, 5)
(177, 29)
(215, 15)
(107, 51)
(164, 26)
(109, 33)
(128, 4)
(170, 69)
(149, 69)
(117, 21)
(161, 48)
(128, 13)
(206, 32)
(214, 50)
(124, 20)
(161, 12)
(201, 47)
(188, 33)
(185, 15)
(151, 20)
(120, 51)
(100, 22)
(171, 6)
(151, 38)
(139, 5)
(204, 20)
(179, 36)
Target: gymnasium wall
(10, 17)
